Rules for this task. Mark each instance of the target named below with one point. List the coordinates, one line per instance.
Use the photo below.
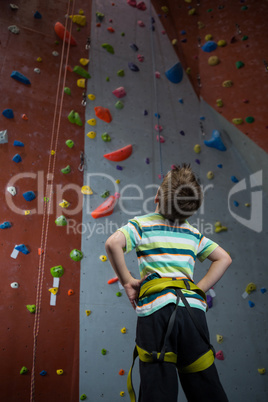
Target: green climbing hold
(76, 255)
(249, 119)
(99, 16)
(61, 221)
(67, 91)
(81, 71)
(119, 105)
(69, 143)
(107, 79)
(122, 33)
(78, 121)
(244, 8)
(105, 137)
(83, 397)
(71, 116)
(108, 47)
(239, 64)
(31, 308)
(66, 170)
(23, 370)
(46, 199)
(57, 271)
(118, 294)
(105, 194)
(120, 73)
(103, 351)
(245, 37)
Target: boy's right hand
(132, 289)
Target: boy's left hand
(132, 289)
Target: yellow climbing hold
(103, 258)
(122, 393)
(88, 312)
(174, 42)
(188, 1)
(64, 204)
(81, 83)
(210, 175)
(92, 122)
(117, 181)
(52, 152)
(227, 84)
(188, 70)
(79, 19)
(164, 9)
(197, 149)
(84, 62)
(59, 372)
(251, 287)
(261, 370)
(192, 11)
(219, 228)
(208, 37)
(247, 204)
(123, 330)
(81, 12)
(213, 60)
(39, 59)
(222, 43)
(237, 120)
(219, 102)
(200, 25)
(219, 338)
(53, 290)
(91, 96)
(91, 134)
(27, 212)
(86, 190)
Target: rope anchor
(82, 162)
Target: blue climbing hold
(43, 372)
(215, 141)
(251, 304)
(236, 204)
(234, 179)
(219, 166)
(20, 77)
(209, 46)
(184, 40)
(17, 158)
(181, 100)
(175, 73)
(22, 248)
(133, 67)
(18, 144)
(37, 15)
(157, 115)
(8, 113)
(202, 118)
(145, 113)
(183, 32)
(29, 195)
(263, 290)
(5, 225)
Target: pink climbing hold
(119, 92)
(132, 3)
(219, 355)
(161, 138)
(158, 128)
(157, 74)
(141, 24)
(140, 58)
(141, 6)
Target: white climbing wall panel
(244, 328)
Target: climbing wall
(130, 50)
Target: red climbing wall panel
(219, 19)
(58, 339)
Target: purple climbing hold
(29, 195)
(209, 301)
(234, 179)
(134, 47)
(17, 158)
(197, 161)
(215, 141)
(147, 160)
(182, 132)
(118, 167)
(8, 113)
(184, 40)
(22, 248)
(133, 67)
(145, 113)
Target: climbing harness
(202, 362)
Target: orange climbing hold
(24, 117)
(105, 209)
(60, 31)
(110, 29)
(121, 372)
(103, 113)
(120, 154)
(70, 292)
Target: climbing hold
(66, 170)
(8, 113)
(249, 119)
(64, 204)
(62, 33)
(14, 29)
(81, 71)
(79, 19)
(29, 195)
(227, 84)
(99, 16)
(31, 308)
(83, 397)
(119, 92)
(160, 138)
(14, 285)
(181, 100)
(219, 228)
(261, 371)
(263, 290)
(18, 144)
(20, 77)
(88, 312)
(69, 143)
(251, 287)
(59, 372)
(54, 291)
(55, 53)
(37, 70)
(117, 181)
(209, 46)
(92, 122)
(236, 204)
(23, 370)
(234, 179)
(192, 11)
(219, 102)
(70, 292)
(103, 258)
(52, 152)
(105, 194)
(222, 43)
(81, 83)
(219, 355)
(119, 105)
(239, 64)
(105, 137)
(57, 271)
(86, 190)
(140, 58)
(118, 294)
(61, 221)
(197, 148)
(209, 301)
(103, 113)
(208, 37)
(24, 117)
(103, 351)
(175, 73)
(43, 372)
(200, 25)
(121, 372)
(134, 47)
(123, 330)
(213, 60)
(120, 154)
(37, 15)
(247, 204)
(110, 29)
(245, 37)
(91, 96)
(157, 74)
(108, 47)
(3, 137)
(120, 73)
(91, 134)
(76, 255)
(158, 128)
(104, 209)
(219, 338)
(215, 141)
(122, 393)
(12, 190)
(22, 248)
(17, 158)
(84, 62)
(77, 119)
(141, 23)
(133, 67)
(251, 304)
(5, 225)
(188, 70)
(210, 175)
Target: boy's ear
(156, 199)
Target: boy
(171, 338)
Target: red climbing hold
(131, 3)
(105, 209)
(103, 113)
(120, 154)
(141, 6)
(60, 30)
(219, 355)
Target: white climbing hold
(12, 190)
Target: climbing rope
(49, 177)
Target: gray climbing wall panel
(243, 328)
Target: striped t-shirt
(166, 249)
